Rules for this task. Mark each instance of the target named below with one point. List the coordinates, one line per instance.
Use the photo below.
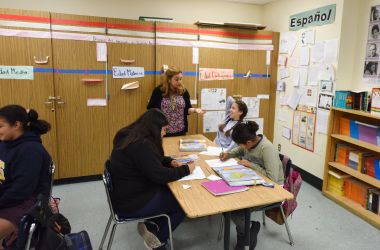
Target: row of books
(364, 162)
(344, 185)
(352, 100)
(360, 130)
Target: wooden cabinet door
(174, 49)
(136, 46)
(82, 130)
(25, 41)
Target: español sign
(315, 17)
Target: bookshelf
(335, 137)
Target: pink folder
(220, 187)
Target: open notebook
(220, 187)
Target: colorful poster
(210, 74)
(127, 72)
(304, 129)
(16, 72)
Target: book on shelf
(375, 101)
(192, 145)
(220, 187)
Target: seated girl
(235, 113)
(24, 164)
(140, 172)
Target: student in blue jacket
(24, 164)
(140, 173)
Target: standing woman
(174, 100)
(140, 173)
(237, 111)
(24, 164)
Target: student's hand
(175, 164)
(245, 163)
(191, 167)
(224, 156)
(199, 111)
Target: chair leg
(264, 218)
(105, 232)
(221, 224)
(111, 236)
(170, 233)
(287, 227)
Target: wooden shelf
(357, 112)
(363, 177)
(355, 208)
(357, 142)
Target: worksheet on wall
(213, 99)
(211, 121)
(253, 105)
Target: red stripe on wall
(25, 18)
(132, 27)
(78, 23)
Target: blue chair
(115, 219)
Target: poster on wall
(371, 64)
(304, 128)
(213, 99)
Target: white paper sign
(286, 132)
(195, 55)
(16, 72)
(101, 52)
(100, 102)
(211, 120)
(127, 72)
(213, 99)
(253, 104)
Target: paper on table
(218, 163)
(213, 177)
(322, 121)
(184, 186)
(304, 56)
(331, 51)
(196, 175)
(318, 51)
(214, 151)
(294, 99)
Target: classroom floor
(317, 223)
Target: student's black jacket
(25, 164)
(156, 98)
(138, 171)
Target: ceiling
(252, 1)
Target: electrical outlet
(279, 147)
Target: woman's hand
(175, 163)
(224, 156)
(199, 111)
(191, 167)
(245, 163)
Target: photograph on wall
(325, 101)
(326, 86)
(370, 70)
(373, 50)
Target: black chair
(115, 219)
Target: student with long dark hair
(237, 110)
(174, 100)
(140, 172)
(24, 164)
(256, 152)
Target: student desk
(197, 201)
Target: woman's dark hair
(28, 119)
(147, 126)
(243, 132)
(244, 109)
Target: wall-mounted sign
(127, 72)
(16, 72)
(315, 17)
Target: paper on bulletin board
(304, 72)
(127, 72)
(283, 115)
(101, 52)
(211, 120)
(308, 37)
(293, 61)
(313, 75)
(282, 60)
(213, 99)
(288, 41)
(318, 51)
(284, 73)
(253, 104)
(322, 121)
(294, 99)
(286, 132)
(331, 51)
(304, 56)
(16, 72)
(295, 78)
(309, 96)
(210, 74)
(326, 72)
(260, 122)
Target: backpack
(293, 182)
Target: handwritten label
(127, 72)
(16, 72)
(209, 74)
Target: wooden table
(198, 202)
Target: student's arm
(149, 163)
(231, 146)
(26, 175)
(236, 152)
(166, 161)
(230, 100)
